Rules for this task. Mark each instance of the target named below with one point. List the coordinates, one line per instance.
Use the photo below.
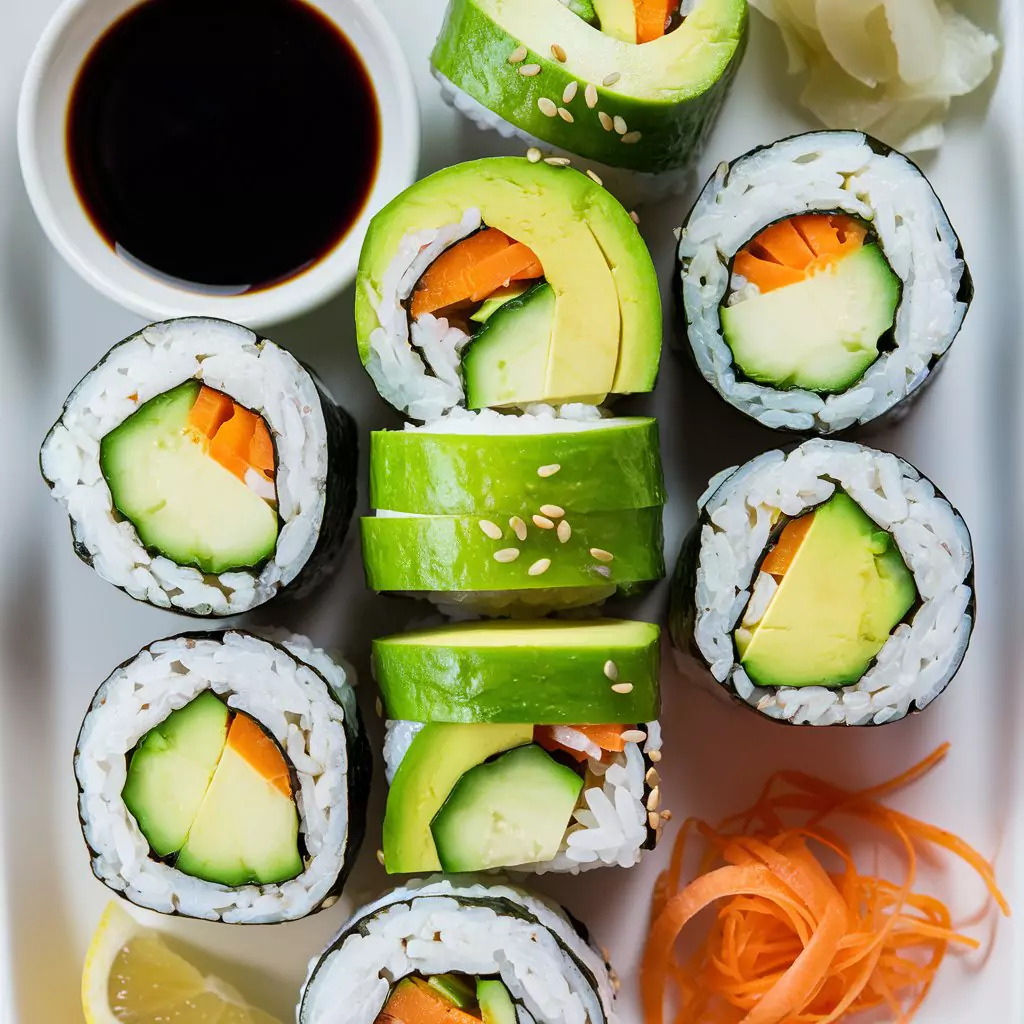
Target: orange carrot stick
(780, 558)
(652, 18)
(260, 751)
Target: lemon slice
(131, 977)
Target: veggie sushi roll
(520, 745)
(502, 283)
(225, 777)
(204, 468)
(633, 84)
(832, 585)
(462, 952)
(515, 514)
(821, 281)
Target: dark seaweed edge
(965, 294)
(358, 778)
(682, 610)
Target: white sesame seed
(506, 555)
(620, 124)
(766, 702)
(557, 161)
(518, 55)
(593, 177)
(603, 570)
(529, 70)
(611, 670)
(622, 687)
(540, 566)
(630, 138)
(533, 154)
(493, 530)
(543, 522)
(378, 707)
(654, 799)
(654, 755)
(611, 79)
(634, 216)
(652, 778)
(518, 527)
(633, 736)
(666, 815)
(606, 122)
(569, 92)
(558, 53)
(653, 820)
(564, 531)
(590, 95)
(601, 555)
(553, 511)
(546, 107)
(547, 471)
(380, 857)
(565, 115)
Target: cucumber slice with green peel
(510, 811)
(496, 1006)
(456, 988)
(583, 9)
(602, 466)
(546, 672)
(439, 755)
(490, 306)
(449, 553)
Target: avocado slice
(512, 810)
(182, 503)
(246, 831)
(606, 330)
(456, 988)
(170, 771)
(439, 755)
(617, 18)
(496, 1006)
(845, 591)
(820, 334)
(547, 672)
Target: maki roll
(821, 282)
(630, 84)
(832, 585)
(520, 745)
(502, 283)
(204, 468)
(224, 776)
(515, 514)
(462, 952)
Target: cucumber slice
(491, 306)
(456, 988)
(546, 672)
(496, 1006)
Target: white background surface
(63, 629)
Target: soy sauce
(227, 145)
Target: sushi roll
(820, 281)
(502, 283)
(527, 745)
(204, 469)
(830, 585)
(515, 514)
(460, 951)
(224, 776)
(632, 85)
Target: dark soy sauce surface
(225, 144)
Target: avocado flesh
(496, 1006)
(171, 769)
(513, 810)
(820, 334)
(439, 755)
(845, 591)
(182, 503)
(617, 18)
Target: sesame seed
(564, 531)
(533, 154)
(506, 555)
(553, 511)
(329, 902)
(378, 707)
(634, 735)
(654, 798)
(558, 53)
(653, 820)
(652, 778)
(605, 955)
(493, 530)
(565, 115)
(622, 687)
(593, 177)
(620, 124)
(766, 702)
(606, 122)
(518, 55)
(529, 70)
(380, 857)
(518, 527)
(634, 216)
(540, 566)
(543, 522)
(611, 79)
(630, 138)
(666, 815)
(546, 107)
(603, 570)
(601, 555)
(569, 92)
(611, 670)
(654, 755)
(547, 471)
(590, 95)
(557, 161)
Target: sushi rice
(301, 696)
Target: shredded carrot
(235, 436)
(793, 249)
(780, 558)
(414, 1002)
(260, 752)
(607, 737)
(652, 18)
(791, 942)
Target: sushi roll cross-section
(520, 745)
(502, 283)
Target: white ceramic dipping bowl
(42, 116)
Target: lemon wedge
(131, 977)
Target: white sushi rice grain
(825, 171)
(289, 692)
(918, 659)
